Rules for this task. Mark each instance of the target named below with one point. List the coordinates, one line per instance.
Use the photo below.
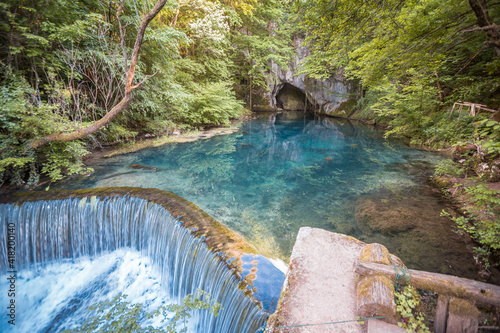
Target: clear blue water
(278, 174)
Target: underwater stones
(145, 167)
(412, 168)
(428, 240)
(386, 216)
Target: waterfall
(48, 231)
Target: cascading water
(53, 231)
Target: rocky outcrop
(335, 96)
(476, 158)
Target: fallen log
(376, 291)
(439, 283)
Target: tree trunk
(440, 283)
(124, 103)
(375, 297)
(174, 23)
(250, 102)
(480, 9)
(440, 88)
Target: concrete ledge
(320, 285)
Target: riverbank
(470, 178)
(147, 141)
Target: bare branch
(488, 27)
(469, 61)
(144, 80)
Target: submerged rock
(414, 214)
(416, 167)
(386, 216)
(145, 167)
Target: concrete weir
(320, 287)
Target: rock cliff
(288, 90)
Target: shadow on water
(278, 174)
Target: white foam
(80, 283)
(279, 264)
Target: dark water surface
(278, 174)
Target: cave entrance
(291, 98)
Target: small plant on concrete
(407, 306)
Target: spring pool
(280, 172)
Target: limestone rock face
(335, 96)
(489, 171)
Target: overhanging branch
(124, 103)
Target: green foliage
(446, 130)
(408, 302)
(264, 38)
(482, 219)
(121, 316)
(213, 104)
(23, 119)
(489, 136)
(448, 168)
(414, 58)
(64, 159)
(14, 162)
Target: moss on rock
(385, 216)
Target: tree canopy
(413, 57)
(69, 67)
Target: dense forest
(64, 65)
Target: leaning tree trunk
(485, 23)
(127, 98)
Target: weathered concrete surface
(321, 284)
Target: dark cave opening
(290, 98)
